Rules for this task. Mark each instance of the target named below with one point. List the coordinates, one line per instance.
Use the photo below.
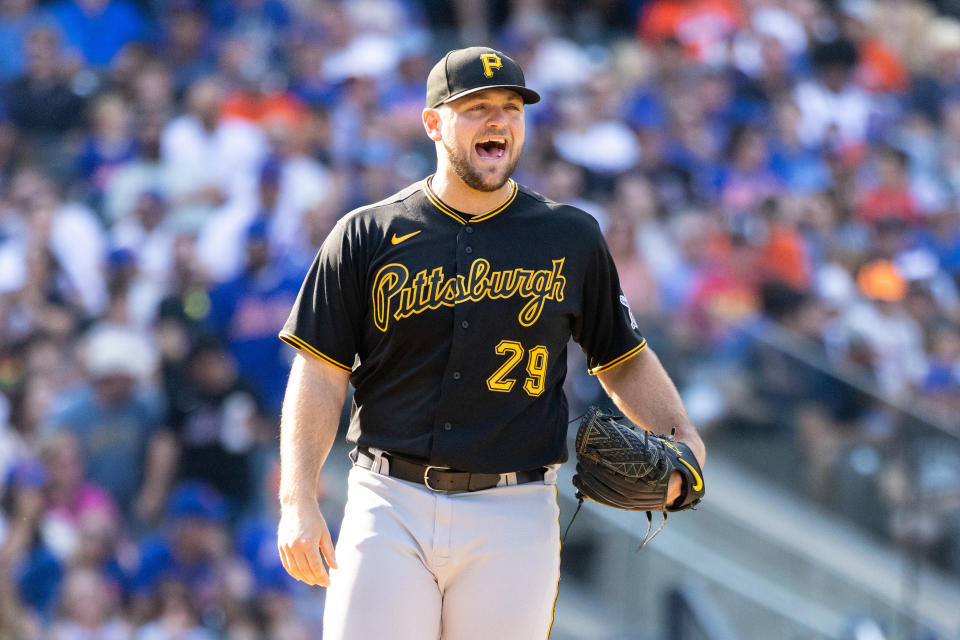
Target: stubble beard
(471, 177)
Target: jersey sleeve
(607, 331)
(328, 313)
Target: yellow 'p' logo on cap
(490, 62)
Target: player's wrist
(298, 501)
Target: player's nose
(497, 117)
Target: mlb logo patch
(633, 321)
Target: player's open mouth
(491, 147)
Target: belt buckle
(426, 476)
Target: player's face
(483, 136)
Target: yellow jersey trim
(299, 344)
(439, 204)
(556, 593)
(629, 354)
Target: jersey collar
(459, 217)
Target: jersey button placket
(449, 406)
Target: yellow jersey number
(536, 368)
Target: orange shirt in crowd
(880, 69)
(258, 107)
(784, 258)
(697, 24)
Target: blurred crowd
(778, 181)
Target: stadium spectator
(800, 168)
(145, 171)
(701, 25)
(71, 500)
(98, 29)
(65, 244)
(16, 19)
(783, 250)
(746, 181)
(41, 103)
(120, 428)
(891, 197)
(147, 240)
(212, 160)
(110, 144)
(30, 568)
(894, 337)
(835, 112)
(184, 568)
(244, 312)
(217, 422)
(88, 609)
(187, 43)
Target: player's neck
(455, 193)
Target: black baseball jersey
(455, 328)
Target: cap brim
(529, 95)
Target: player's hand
(301, 537)
(674, 487)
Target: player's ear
(433, 123)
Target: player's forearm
(641, 388)
(308, 426)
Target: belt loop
(380, 464)
(507, 479)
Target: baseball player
(449, 307)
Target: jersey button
(469, 250)
(468, 229)
(447, 426)
(456, 375)
(465, 324)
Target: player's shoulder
(563, 214)
(388, 207)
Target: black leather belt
(441, 479)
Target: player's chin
(491, 181)
(494, 171)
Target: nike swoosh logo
(699, 483)
(398, 239)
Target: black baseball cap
(464, 71)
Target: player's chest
(514, 274)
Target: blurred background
(778, 180)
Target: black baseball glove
(623, 466)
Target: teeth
(495, 140)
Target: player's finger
(301, 571)
(290, 566)
(314, 564)
(327, 549)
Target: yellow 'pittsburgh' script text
(395, 295)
